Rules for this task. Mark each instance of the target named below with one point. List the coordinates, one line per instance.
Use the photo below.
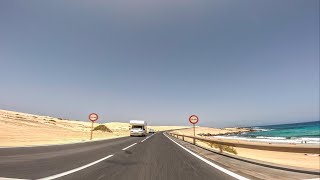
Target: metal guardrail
(269, 147)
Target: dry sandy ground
(284, 158)
(22, 129)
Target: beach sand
(22, 129)
(300, 160)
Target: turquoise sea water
(308, 132)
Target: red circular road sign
(193, 119)
(93, 117)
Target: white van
(138, 128)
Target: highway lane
(43, 161)
(157, 158)
(150, 158)
(154, 157)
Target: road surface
(155, 157)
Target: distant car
(151, 131)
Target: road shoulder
(247, 169)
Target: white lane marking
(210, 163)
(147, 138)
(129, 146)
(313, 179)
(3, 178)
(75, 170)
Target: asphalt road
(155, 158)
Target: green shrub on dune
(230, 149)
(102, 128)
(222, 148)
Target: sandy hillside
(20, 129)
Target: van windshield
(137, 127)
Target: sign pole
(193, 119)
(194, 134)
(91, 130)
(92, 117)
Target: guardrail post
(220, 148)
(182, 137)
(194, 140)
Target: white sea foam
(309, 140)
(272, 138)
(260, 129)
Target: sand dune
(21, 129)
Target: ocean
(307, 132)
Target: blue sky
(233, 63)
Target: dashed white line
(147, 138)
(210, 163)
(129, 146)
(75, 170)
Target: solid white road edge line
(312, 179)
(210, 163)
(129, 146)
(75, 170)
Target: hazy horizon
(127, 121)
(232, 63)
